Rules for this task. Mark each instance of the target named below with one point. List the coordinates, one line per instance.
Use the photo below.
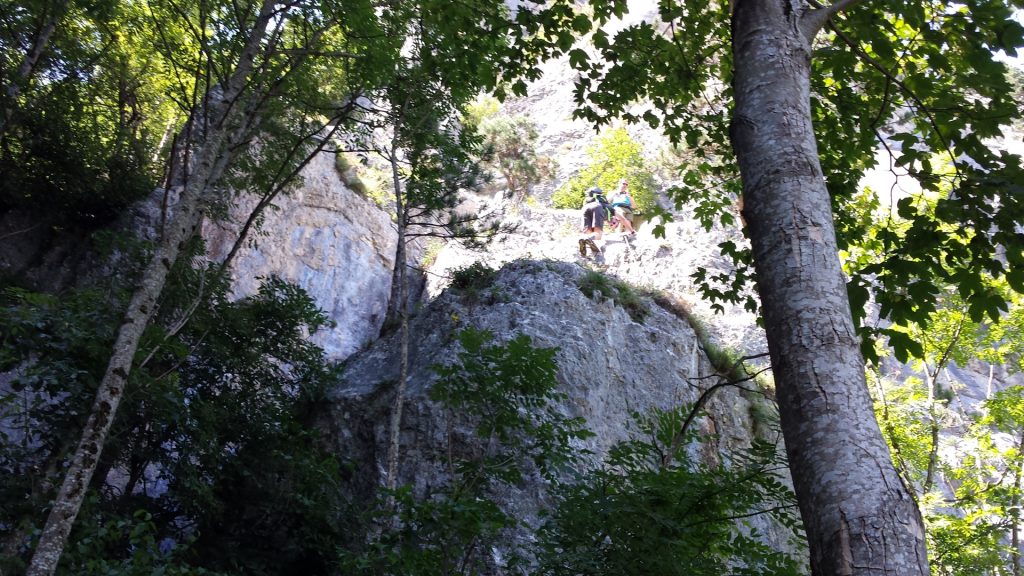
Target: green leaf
(904, 347)
(579, 59)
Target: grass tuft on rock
(475, 281)
(619, 292)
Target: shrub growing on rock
(613, 157)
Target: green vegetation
(367, 181)
(509, 146)
(614, 156)
(220, 470)
(481, 109)
(473, 280)
(941, 444)
(213, 466)
(650, 508)
(80, 146)
(617, 291)
(431, 252)
(223, 424)
(968, 533)
(654, 509)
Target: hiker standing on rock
(594, 213)
(622, 206)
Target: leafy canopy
(917, 79)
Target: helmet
(593, 192)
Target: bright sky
(1018, 60)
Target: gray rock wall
(334, 243)
(609, 367)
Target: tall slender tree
(15, 83)
(245, 67)
(771, 64)
(223, 111)
(451, 52)
(860, 517)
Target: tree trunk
(187, 215)
(28, 64)
(398, 275)
(859, 516)
(1018, 468)
(398, 297)
(183, 224)
(991, 377)
(933, 427)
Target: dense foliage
(213, 464)
(656, 508)
(78, 140)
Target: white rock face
(335, 244)
(609, 366)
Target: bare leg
(627, 226)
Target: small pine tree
(512, 142)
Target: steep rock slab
(334, 243)
(609, 367)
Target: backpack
(604, 204)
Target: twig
(23, 231)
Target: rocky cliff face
(322, 236)
(334, 243)
(609, 366)
(643, 260)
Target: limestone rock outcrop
(609, 366)
(642, 260)
(322, 236)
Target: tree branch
(323, 53)
(703, 399)
(811, 22)
(281, 181)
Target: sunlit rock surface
(609, 365)
(334, 243)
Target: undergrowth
(475, 281)
(619, 292)
(727, 362)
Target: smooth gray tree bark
(187, 216)
(859, 516)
